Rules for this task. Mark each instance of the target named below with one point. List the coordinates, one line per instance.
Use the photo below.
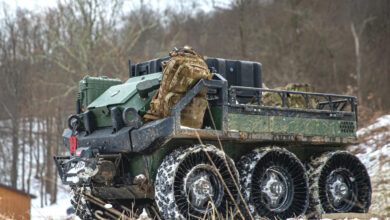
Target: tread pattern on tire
(314, 169)
(246, 166)
(164, 183)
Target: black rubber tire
(252, 168)
(169, 184)
(320, 168)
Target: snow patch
(374, 152)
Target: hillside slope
(374, 152)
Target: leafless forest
(337, 46)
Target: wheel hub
(201, 186)
(338, 189)
(201, 190)
(274, 189)
(277, 188)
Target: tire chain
(164, 194)
(82, 209)
(313, 169)
(245, 166)
(165, 203)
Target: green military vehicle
(258, 152)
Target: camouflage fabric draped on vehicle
(184, 68)
(292, 100)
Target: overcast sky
(205, 5)
(30, 4)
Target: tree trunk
(30, 152)
(41, 188)
(49, 180)
(43, 168)
(39, 141)
(15, 152)
(24, 154)
(358, 63)
(241, 28)
(58, 143)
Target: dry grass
(5, 217)
(368, 116)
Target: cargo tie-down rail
(333, 101)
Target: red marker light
(72, 145)
(78, 153)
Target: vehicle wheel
(85, 209)
(274, 183)
(82, 209)
(339, 182)
(187, 181)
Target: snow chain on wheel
(81, 208)
(339, 183)
(274, 183)
(187, 182)
(85, 209)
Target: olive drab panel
(91, 88)
(184, 68)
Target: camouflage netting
(292, 100)
(184, 68)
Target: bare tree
(356, 36)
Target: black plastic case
(236, 72)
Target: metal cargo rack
(333, 108)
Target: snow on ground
(55, 211)
(374, 149)
(374, 152)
